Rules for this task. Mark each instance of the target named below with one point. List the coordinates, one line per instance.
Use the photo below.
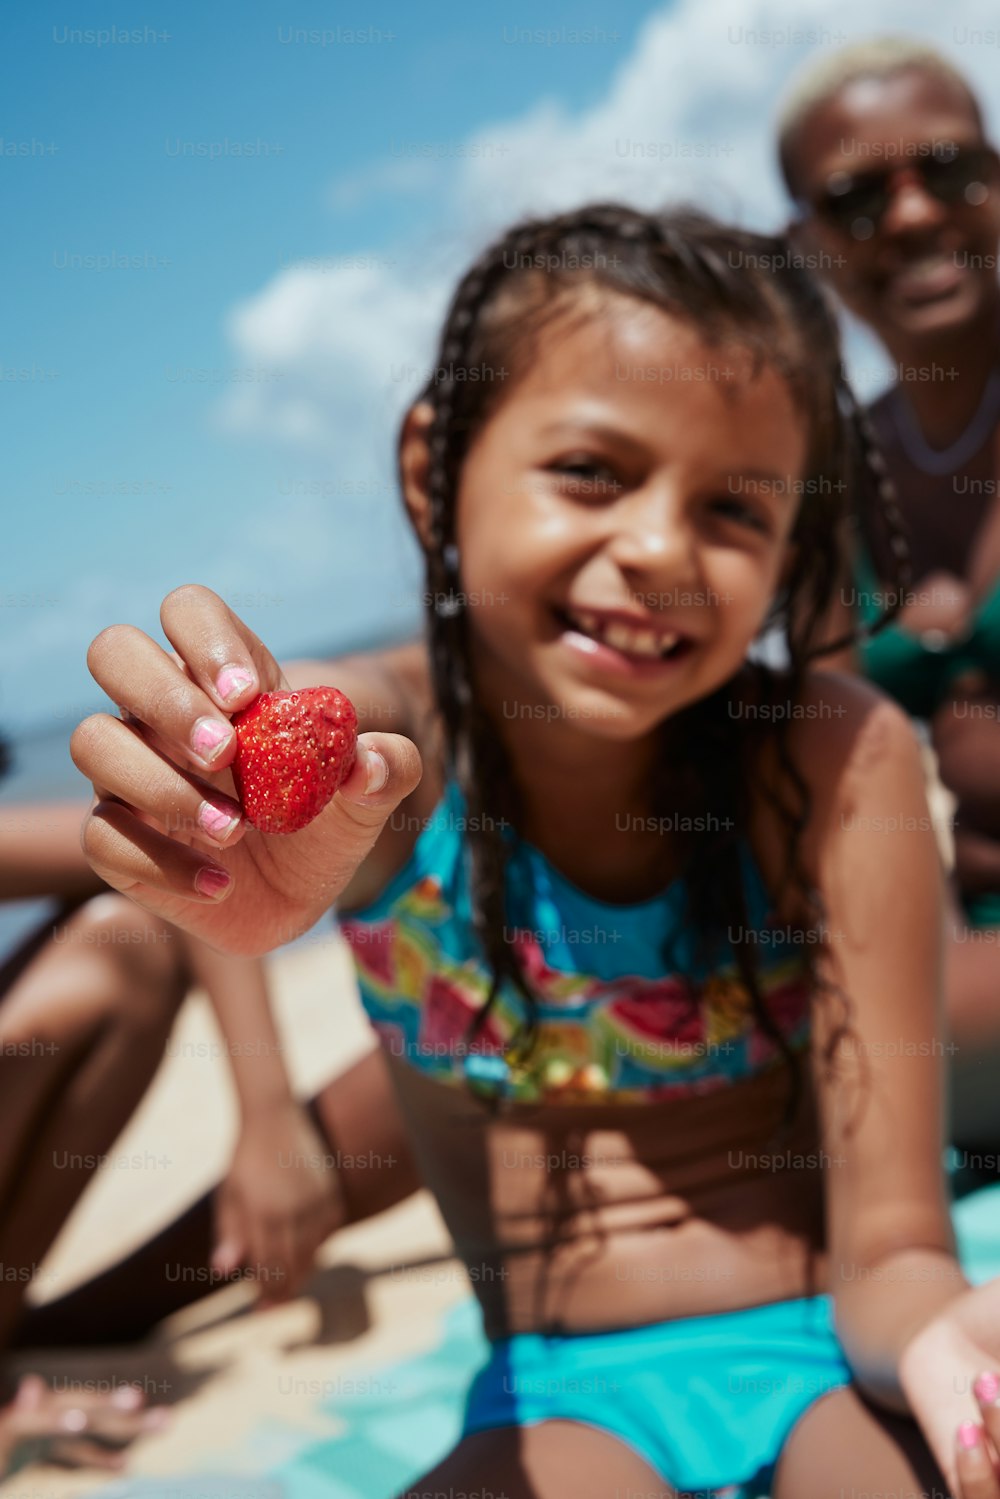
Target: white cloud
(688, 115)
(341, 346)
(400, 174)
(336, 344)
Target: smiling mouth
(640, 641)
(927, 276)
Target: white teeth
(619, 635)
(622, 637)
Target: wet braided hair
(731, 286)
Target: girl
(650, 932)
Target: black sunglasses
(856, 201)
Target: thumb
(386, 770)
(329, 851)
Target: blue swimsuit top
(613, 1020)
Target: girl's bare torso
(585, 1217)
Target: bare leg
(552, 1460)
(125, 1302)
(82, 1031)
(356, 1114)
(86, 1010)
(843, 1445)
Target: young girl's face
(623, 520)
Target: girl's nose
(651, 534)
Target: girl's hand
(166, 828)
(947, 1372)
(278, 1204)
(977, 1468)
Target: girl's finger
(274, 1266)
(139, 861)
(81, 1453)
(987, 1392)
(223, 654)
(293, 1253)
(977, 1475)
(305, 1241)
(131, 772)
(230, 1239)
(141, 678)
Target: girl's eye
(586, 476)
(739, 511)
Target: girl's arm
(237, 987)
(876, 862)
(285, 1192)
(280, 1199)
(40, 851)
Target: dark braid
(682, 263)
(876, 501)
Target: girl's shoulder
(833, 751)
(392, 691)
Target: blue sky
(224, 410)
(112, 402)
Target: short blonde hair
(876, 57)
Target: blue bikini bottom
(708, 1402)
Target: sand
(224, 1369)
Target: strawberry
(293, 751)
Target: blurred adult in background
(87, 1003)
(884, 151)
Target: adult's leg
(86, 1007)
(82, 1032)
(356, 1115)
(843, 1445)
(552, 1460)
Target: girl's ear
(414, 468)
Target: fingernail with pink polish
(969, 1435)
(987, 1388)
(127, 1398)
(376, 771)
(217, 822)
(231, 681)
(210, 734)
(211, 881)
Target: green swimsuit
(919, 674)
